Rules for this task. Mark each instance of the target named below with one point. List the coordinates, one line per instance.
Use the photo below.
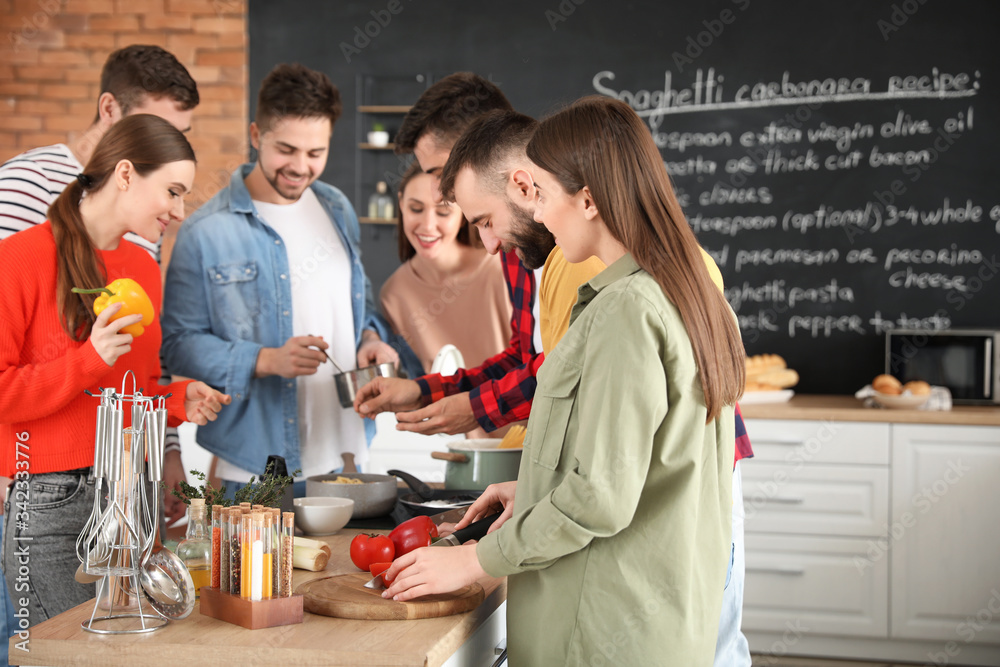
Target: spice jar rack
(256, 592)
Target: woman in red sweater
(52, 348)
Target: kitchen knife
(473, 531)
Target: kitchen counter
(318, 640)
(848, 408)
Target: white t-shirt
(320, 271)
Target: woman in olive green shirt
(618, 538)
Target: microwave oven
(966, 361)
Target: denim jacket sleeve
(189, 347)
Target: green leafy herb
(267, 492)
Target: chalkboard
(837, 160)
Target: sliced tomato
(378, 568)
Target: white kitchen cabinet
(801, 499)
(826, 441)
(815, 582)
(814, 494)
(483, 648)
(873, 540)
(946, 534)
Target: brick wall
(51, 55)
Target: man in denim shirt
(266, 279)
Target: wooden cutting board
(345, 596)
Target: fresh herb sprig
(267, 491)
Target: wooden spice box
(252, 615)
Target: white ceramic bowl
(322, 516)
(905, 401)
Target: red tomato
(413, 534)
(368, 549)
(380, 568)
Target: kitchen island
(318, 640)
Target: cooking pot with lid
(475, 464)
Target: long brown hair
(406, 249)
(601, 143)
(148, 142)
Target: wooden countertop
(848, 408)
(318, 640)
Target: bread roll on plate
(886, 384)
(917, 388)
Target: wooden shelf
(373, 147)
(383, 108)
(377, 221)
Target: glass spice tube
(242, 523)
(256, 544)
(235, 552)
(216, 546)
(246, 539)
(267, 540)
(224, 551)
(275, 550)
(287, 551)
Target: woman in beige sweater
(448, 290)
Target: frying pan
(415, 502)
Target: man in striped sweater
(135, 79)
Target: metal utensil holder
(118, 537)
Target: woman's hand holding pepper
(202, 403)
(106, 336)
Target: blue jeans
(39, 542)
(732, 649)
(8, 622)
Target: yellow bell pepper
(129, 293)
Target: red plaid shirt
(743, 449)
(502, 387)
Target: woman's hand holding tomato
(432, 570)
